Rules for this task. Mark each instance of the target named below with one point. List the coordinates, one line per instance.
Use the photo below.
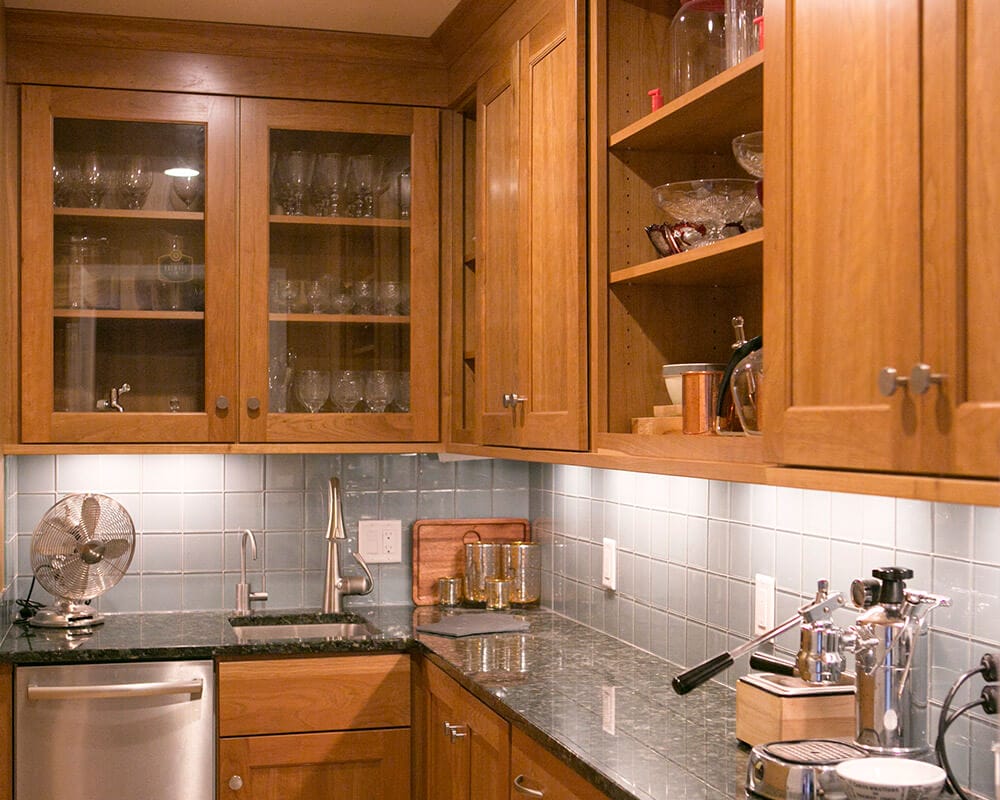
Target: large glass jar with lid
(339, 272)
(128, 266)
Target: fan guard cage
(82, 546)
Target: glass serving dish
(749, 152)
(718, 204)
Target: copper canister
(701, 394)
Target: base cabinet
(537, 773)
(302, 728)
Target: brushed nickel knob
(889, 380)
(236, 783)
(253, 404)
(221, 403)
(921, 378)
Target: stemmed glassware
(188, 189)
(279, 378)
(347, 390)
(65, 179)
(326, 185)
(378, 390)
(362, 172)
(95, 179)
(292, 177)
(134, 181)
(402, 399)
(390, 297)
(364, 296)
(312, 386)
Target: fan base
(66, 615)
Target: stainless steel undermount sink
(302, 627)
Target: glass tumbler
(523, 566)
(482, 562)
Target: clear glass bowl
(697, 44)
(749, 152)
(718, 204)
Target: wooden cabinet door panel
(355, 765)
(536, 770)
(847, 198)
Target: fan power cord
(987, 700)
(27, 607)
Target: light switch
(763, 604)
(380, 540)
(609, 568)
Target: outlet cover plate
(380, 541)
(609, 565)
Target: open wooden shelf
(133, 314)
(129, 213)
(349, 319)
(341, 222)
(707, 118)
(736, 261)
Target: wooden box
(791, 709)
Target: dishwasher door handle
(97, 691)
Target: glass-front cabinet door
(128, 281)
(339, 272)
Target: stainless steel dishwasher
(124, 731)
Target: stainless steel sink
(302, 627)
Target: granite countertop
(554, 682)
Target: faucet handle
(367, 582)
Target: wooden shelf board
(735, 261)
(133, 314)
(347, 319)
(705, 447)
(128, 213)
(707, 118)
(342, 222)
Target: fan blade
(90, 514)
(115, 548)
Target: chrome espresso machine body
(888, 641)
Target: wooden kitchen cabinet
(530, 367)
(885, 251)
(466, 746)
(649, 311)
(123, 283)
(338, 271)
(315, 727)
(537, 773)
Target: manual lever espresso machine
(888, 642)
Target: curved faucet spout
(336, 586)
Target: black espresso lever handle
(696, 676)
(767, 663)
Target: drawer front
(298, 695)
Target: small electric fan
(82, 547)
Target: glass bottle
(174, 277)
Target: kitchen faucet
(244, 595)
(337, 586)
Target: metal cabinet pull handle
(921, 378)
(520, 787)
(456, 731)
(513, 399)
(236, 783)
(889, 380)
(193, 687)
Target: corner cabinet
(531, 367)
(649, 311)
(128, 276)
(885, 274)
(338, 272)
(210, 269)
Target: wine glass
(188, 189)
(134, 181)
(402, 400)
(318, 295)
(292, 176)
(95, 179)
(65, 179)
(362, 172)
(390, 297)
(403, 183)
(341, 300)
(326, 185)
(378, 390)
(364, 296)
(346, 393)
(312, 387)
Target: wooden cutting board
(438, 552)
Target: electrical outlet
(763, 603)
(609, 565)
(608, 709)
(380, 541)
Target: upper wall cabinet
(338, 272)
(128, 277)
(882, 336)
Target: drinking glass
(318, 295)
(362, 174)
(326, 185)
(341, 301)
(188, 189)
(312, 386)
(378, 390)
(134, 181)
(279, 378)
(390, 297)
(403, 182)
(364, 296)
(292, 176)
(402, 401)
(95, 179)
(65, 179)
(347, 390)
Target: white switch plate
(608, 709)
(380, 541)
(763, 603)
(609, 565)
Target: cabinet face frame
(258, 119)
(39, 421)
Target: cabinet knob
(221, 403)
(522, 789)
(236, 783)
(889, 380)
(253, 404)
(456, 731)
(921, 378)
